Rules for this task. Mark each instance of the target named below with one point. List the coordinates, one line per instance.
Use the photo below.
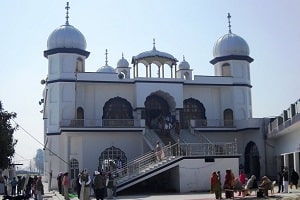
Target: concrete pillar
(286, 160)
(296, 161)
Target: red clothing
(65, 181)
(242, 178)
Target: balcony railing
(105, 123)
(279, 125)
(150, 161)
(217, 123)
(115, 123)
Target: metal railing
(151, 161)
(279, 125)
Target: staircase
(146, 166)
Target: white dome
(184, 64)
(154, 53)
(122, 63)
(231, 44)
(106, 69)
(66, 36)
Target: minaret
(232, 60)
(66, 56)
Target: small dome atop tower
(184, 64)
(230, 44)
(66, 36)
(122, 63)
(106, 68)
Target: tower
(232, 60)
(66, 56)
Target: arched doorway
(109, 157)
(193, 109)
(156, 108)
(117, 112)
(252, 164)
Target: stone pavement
(294, 194)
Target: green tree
(39, 161)
(7, 142)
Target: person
(59, 182)
(220, 181)
(33, 187)
(5, 185)
(285, 176)
(215, 186)
(65, 184)
(110, 186)
(78, 186)
(158, 151)
(294, 179)
(99, 185)
(14, 184)
(265, 185)
(249, 185)
(238, 186)
(228, 186)
(19, 185)
(119, 166)
(50, 180)
(242, 180)
(280, 181)
(85, 182)
(39, 188)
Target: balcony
(225, 124)
(105, 123)
(278, 126)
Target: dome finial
(229, 25)
(67, 13)
(154, 44)
(183, 58)
(106, 53)
(122, 55)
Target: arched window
(226, 71)
(80, 116)
(79, 65)
(186, 76)
(192, 110)
(108, 158)
(74, 168)
(228, 118)
(117, 112)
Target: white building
(91, 118)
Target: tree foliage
(7, 142)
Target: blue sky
(190, 28)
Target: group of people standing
(102, 184)
(284, 180)
(241, 184)
(26, 186)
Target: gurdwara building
(120, 112)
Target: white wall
(195, 173)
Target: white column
(296, 162)
(286, 160)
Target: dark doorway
(252, 164)
(156, 108)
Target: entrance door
(252, 164)
(156, 109)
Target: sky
(180, 27)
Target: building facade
(93, 118)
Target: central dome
(66, 36)
(231, 44)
